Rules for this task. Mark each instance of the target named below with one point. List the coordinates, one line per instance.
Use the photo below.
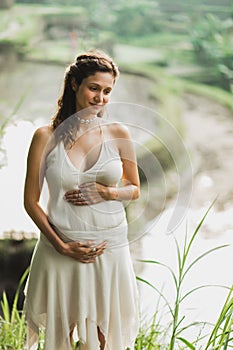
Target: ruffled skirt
(62, 293)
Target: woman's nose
(99, 97)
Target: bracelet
(115, 194)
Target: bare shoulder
(41, 139)
(42, 136)
(119, 130)
(43, 133)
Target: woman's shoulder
(118, 129)
(43, 134)
(43, 139)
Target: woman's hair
(86, 64)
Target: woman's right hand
(84, 252)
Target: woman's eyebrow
(94, 83)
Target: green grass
(190, 7)
(173, 48)
(221, 336)
(52, 52)
(12, 324)
(216, 94)
(156, 40)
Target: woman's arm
(130, 179)
(32, 191)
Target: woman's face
(94, 91)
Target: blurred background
(176, 83)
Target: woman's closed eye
(93, 88)
(107, 92)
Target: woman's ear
(74, 85)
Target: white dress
(62, 292)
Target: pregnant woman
(81, 272)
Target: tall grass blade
(201, 287)
(221, 335)
(12, 325)
(187, 343)
(164, 265)
(197, 230)
(178, 255)
(5, 307)
(15, 312)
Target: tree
(212, 41)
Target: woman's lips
(96, 105)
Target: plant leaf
(197, 230)
(200, 287)
(187, 343)
(164, 265)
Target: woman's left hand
(87, 193)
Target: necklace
(87, 121)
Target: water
(16, 143)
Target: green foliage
(213, 44)
(12, 324)
(222, 334)
(223, 330)
(149, 337)
(18, 30)
(137, 18)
